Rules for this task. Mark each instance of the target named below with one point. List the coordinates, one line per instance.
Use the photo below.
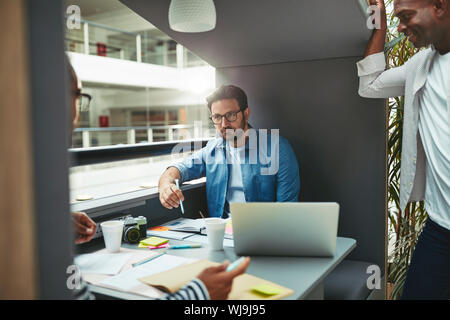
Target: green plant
(405, 226)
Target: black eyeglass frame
(227, 115)
(79, 95)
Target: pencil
(148, 259)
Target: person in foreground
(213, 283)
(241, 164)
(425, 163)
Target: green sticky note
(267, 290)
(154, 241)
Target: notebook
(245, 286)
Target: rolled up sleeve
(375, 82)
(192, 167)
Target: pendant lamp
(192, 15)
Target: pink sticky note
(229, 228)
(165, 245)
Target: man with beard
(425, 167)
(241, 164)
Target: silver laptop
(285, 228)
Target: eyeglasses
(230, 116)
(84, 100)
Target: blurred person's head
(74, 95)
(424, 22)
(229, 109)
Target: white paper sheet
(177, 235)
(186, 225)
(105, 263)
(129, 279)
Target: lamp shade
(192, 15)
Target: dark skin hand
(376, 42)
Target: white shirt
(435, 133)
(407, 80)
(235, 190)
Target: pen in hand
(181, 203)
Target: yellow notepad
(173, 279)
(154, 241)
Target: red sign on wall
(103, 121)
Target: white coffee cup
(112, 233)
(215, 229)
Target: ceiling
(251, 32)
(92, 7)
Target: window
(146, 90)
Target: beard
(233, 135)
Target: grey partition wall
(338, 137)
(50, 122)
(296, 60)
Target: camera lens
(131, 235)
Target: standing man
(425, 172)
(241, 165)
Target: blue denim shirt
(269, 174)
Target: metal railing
(88, 156)
(196, 131)
(129, 46)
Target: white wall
(104, 70)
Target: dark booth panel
(338, 138)
(49, 122)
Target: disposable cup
(215, 229)
(112, 233)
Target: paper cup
(112, 233)
(215, 229)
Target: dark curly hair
(228, 92)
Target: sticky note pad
(267, 290)
(154, 241)
(160, 228)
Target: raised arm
(377, 40)
(374, 81)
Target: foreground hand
(218, 281)
(84, 227)
(170, 196)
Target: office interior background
(146, 89)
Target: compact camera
(134, 229)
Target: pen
(186, 246)
(235, 264)
(181, 203)
(147, 260)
